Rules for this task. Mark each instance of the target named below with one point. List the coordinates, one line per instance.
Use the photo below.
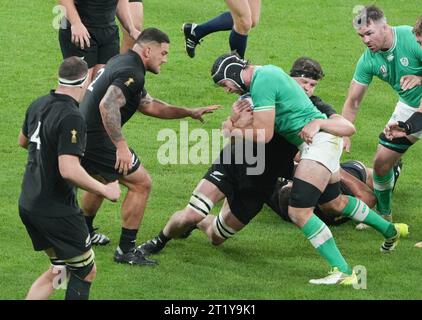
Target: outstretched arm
(160, 109)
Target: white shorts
(402, 113)
(325, 149)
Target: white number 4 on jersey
(36, 136)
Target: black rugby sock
(128, 239)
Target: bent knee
(190, 217)
(144, 185)
(243, 24)
(336, 205)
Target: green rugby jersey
(403, 58)
(272, 88)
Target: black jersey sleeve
(131, 83)
(72, 136)
(322, 106)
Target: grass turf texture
(267, 260)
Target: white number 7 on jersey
(36, 136)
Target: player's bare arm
(71, 169)
(156, 108)
(335, 125)
(351, 106)
(262, 127)
(80, 35)
(123, 14)
(110, 113)
(358, 188)
(23, 140)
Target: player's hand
(310, 130)
(410, 81)
(245, 119)
(80, 36)
(238, 107)
(123, 158)
(392, 130)
(134, 33)
(112, 191)
(199, 112)
(227, 127)
(346, 144)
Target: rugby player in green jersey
(281, 106)
(400, 129)
(393, 56)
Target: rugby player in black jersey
(54, 132)
(111, 100)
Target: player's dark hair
(418, 27)
(308, 68)
(367, 15)
(73, 68)
(152, 35)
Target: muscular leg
(207, 194)
(383, 177)
(243, 19)
(312, 227)
(137, 14)
(181, 221)
(42, 288)
(208, 224)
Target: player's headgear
(73, 72)
(305, 67)
(229, 67)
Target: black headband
(72, 83)
(305, 74)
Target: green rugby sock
(321, 238)
(357, 210)
(383, 190)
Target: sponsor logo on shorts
(215, 174)
(134, 159)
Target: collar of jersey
(63, 97)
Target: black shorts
(104, 44)
(68, 236)
(101, 162)
(135, 1)
(245, 194)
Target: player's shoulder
(406, 30)
(270, 71)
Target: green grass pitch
(267, 260)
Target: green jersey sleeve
(264, 92)
(363, 73)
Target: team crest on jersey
(404, 61)
(74, 133)
(383, 70)
(129, 82)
